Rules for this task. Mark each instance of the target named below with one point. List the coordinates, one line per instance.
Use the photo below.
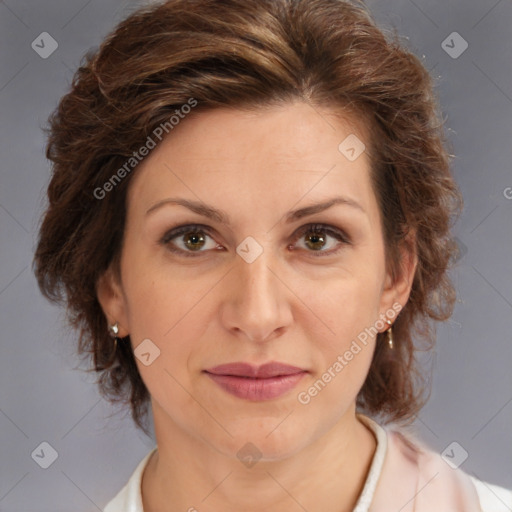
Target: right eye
(191, 239)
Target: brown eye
(321, 239)
(190, 239)
(194, 240)
(316, 241)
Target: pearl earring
(113, 330)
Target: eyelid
(180, 230)
(331, 231)
(184, 228)
(326, 228)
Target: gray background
(45, 398)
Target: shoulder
(129, 498)
(492, 497)
(449, 487)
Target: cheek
(157, 300)
(350, 308)
(346, 306)
(170, 312)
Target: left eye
(316, 238)
(192, 239)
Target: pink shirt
(404, 476)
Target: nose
(257, 304)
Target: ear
(397, 288)
(112, 300)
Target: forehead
(273, 157)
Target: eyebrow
(220, 216)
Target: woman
(249, 222)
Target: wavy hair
(249, 54)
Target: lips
(256, 383)
(265, 371)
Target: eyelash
(308, 228)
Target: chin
(261, 440)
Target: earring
(390, 334)
(113, 330)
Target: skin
(288, 305)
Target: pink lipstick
(256, 383)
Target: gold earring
(114, 331)
(390, 334)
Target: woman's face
(248, 281)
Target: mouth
(256, 383)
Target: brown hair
(248, 54)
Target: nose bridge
(256, 258)
(257, 280)
(257, 305)
(259, 275)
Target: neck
(187, 473)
